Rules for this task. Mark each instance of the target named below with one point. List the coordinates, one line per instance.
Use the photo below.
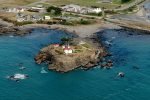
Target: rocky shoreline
(14, 30)
(60, 62)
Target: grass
(83, 3)
(10, 16)
(11, 3)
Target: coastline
(87, 60)
(84, 32)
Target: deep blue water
(94, 84)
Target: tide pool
(94, 84)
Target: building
(71, 8)
(56, 45)
(33, 18)
(97, 10)
(79, 9)
(16, 10)
(47, 17)
(37, 9)
(67, 49)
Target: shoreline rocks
(86, 58)
(5, 30)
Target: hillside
(8, 3)
(83, 3)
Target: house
(79, 9)
(16, 10)
(56, 45)
(47, 17)
(97, 10)
(24, 17)
(68, 50)
(71, 8)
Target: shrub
(54, 10)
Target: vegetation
(121, 1)
(66, 40)
(86, 45)
(95, 14)
(8, 3)
(89, 3)
(54, 10)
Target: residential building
(16, 10)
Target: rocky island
(80, 53)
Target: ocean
(127, 51)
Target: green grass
(11, 3)
(83, 3)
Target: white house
(47, 17)
(71, 8)
(79, 9)
(16, 10)
(67, 50)
(97, 10)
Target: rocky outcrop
(4, 30)
(58, 61)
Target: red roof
(66, 48)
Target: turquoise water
(94, 84)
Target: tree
(121, 1)
(54, 10)
(66, 40)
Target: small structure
(16, 10)
(24, 17)
(68, 50)
(71, 8)
(97, 10)
(47, 17)
(80, 9)
(56, 45)
(37, 9)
